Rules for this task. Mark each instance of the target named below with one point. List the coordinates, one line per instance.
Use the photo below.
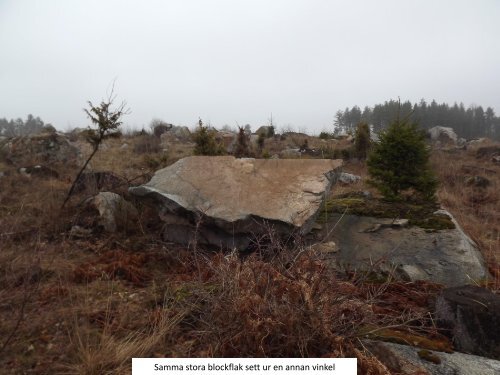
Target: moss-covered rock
(419, 213)
(434, 222)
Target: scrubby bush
(346, 153)
(241, 147)
(147, 144)
(400, 162)
(205, 141)
(158, 127)
(362, 141)
(155, 161)
(261, 140)
(325, 135)
(304, 146)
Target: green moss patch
(419, 213)
(429, 356)
(434, 222)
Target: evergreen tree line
(17, 127)
(468, 123)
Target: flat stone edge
(173, 203)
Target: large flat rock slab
(445, 256)
(235, 198)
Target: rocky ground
(87, 287)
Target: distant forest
(468, 123)
(14, 128)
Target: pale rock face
(235, 198)
(324, 247)
(447, 256)
(176, 134)
(347, 178)
(182, 133)
(228, 139)
(114, 211)
(443, 136)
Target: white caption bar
(244, 366)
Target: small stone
(317, 226)
(400, 223)
(80, 232)
(367, 194)
(324, 247)
(372, 229)
(39, 171)
(477, 181)
(411, 272)
(347, 178)
(114, 211)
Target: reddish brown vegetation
(114, 264)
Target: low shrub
(147, 144)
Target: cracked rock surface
(447, 256)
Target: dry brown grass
(109, 354)
(476, 209)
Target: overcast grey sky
(236, 61)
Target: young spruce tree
(400, 162)
(205, 142)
